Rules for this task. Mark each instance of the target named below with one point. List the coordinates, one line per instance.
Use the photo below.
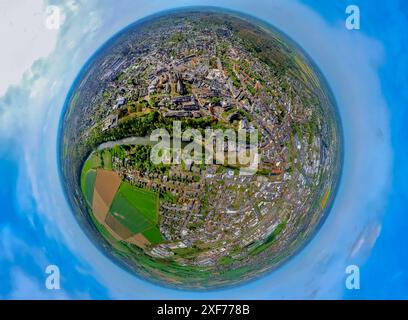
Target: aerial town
(208, 75)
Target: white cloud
(24, 39)
(366, 241)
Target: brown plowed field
(106, 185)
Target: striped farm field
(90, 178)
(126, 212)
(106, 186)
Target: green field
(144, 200)
(106, 159)
(135, 208)
(92, 163)
(90, 185)
(226, 260)
(153, 235)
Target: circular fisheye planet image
(200, 148)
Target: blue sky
(367, 71)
